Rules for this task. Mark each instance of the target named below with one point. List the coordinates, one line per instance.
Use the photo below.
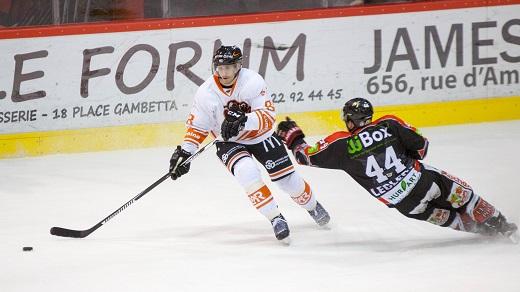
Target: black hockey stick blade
(58, 231)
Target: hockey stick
(58, 231)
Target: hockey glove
(233, 123)
(178, 157)
(291, 134)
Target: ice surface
(200, 233)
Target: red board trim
(155, 24)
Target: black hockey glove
(233, 123)
(291, 134)
(178, 157)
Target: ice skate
(499, 225)
(513, 235)
(320, 215)
(280, 228)
(509, 230)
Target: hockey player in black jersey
(383, 157)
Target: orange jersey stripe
(266, 120)
(191, 141)
(241, 137)
(267, 114)
(254, 134)
(260, 120)
(194, 135)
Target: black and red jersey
(382, 157)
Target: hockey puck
(27, 248)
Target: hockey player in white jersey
(235, 103)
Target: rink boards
(127, 85)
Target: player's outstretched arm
(293, 137)
(326, 153)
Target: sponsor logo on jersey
(378, 135)
(225, 157)
(271, 141)
(269, 164)
(192, 134)
(403, 185)
(459, 195)
(313, 149)
(230, 152)
(365, 139)
(439, 216)
(354, 145)
(455, 179)
(397, 189)
(483, 211)
(318, 147)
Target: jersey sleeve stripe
(250, 135)
(260, 120)
(267, 114)
(202, 132)
(321, 145)
(187, 139)
(267, 119)
(195, 136)
(244, 135)
(422, 152)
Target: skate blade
(514, 237)
(325, 227)
(286, 241)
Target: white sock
(299, 190)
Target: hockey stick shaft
(58, 231)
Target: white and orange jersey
(207, 113)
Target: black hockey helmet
(227, 55)
(359, 111)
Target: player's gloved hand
(233, 123)
(290, 133)
(178, 157)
